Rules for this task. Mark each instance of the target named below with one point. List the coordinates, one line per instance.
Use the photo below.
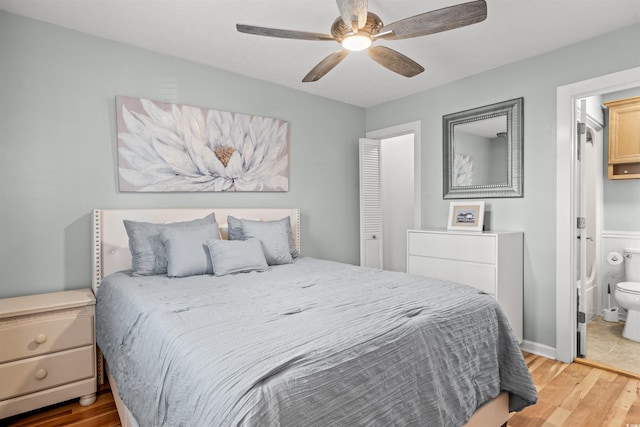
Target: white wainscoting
(614, 241)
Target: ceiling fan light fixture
(356, 29)
(357, 42)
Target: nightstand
(47, 350)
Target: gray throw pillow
(148, 257)
(235, 227)
(236, 256)
(274, 239)
(187, 251)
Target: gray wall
(536, 80)
(57, 153)
(58, 149)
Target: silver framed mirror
(483, 151)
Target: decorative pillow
(236, 256)
(235, 226)
(147, 250)
(186, 249)
(274, 239)
(292, 243)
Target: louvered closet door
(370, 204)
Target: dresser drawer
(43, 372)
(45, 335)
(476, 248)
(480, 276)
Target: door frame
(404, 129)
(566, 212)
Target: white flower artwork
(165, 147)
(462, 170)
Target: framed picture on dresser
(468, 216)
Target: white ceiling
(204, 31)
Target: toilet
(628, 293)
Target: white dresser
(490, 261)
(47, 350)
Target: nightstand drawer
(43, 372)
(33, 338)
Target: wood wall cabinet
(489, 261)
(624, 138)
(47, 350)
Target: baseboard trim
(539, 349)
(607, 368)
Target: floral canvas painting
(171, 147)
(462, 170)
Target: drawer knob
(41, 338)
(41, 374)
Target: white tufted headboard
(111, 243)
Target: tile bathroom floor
(606, 345)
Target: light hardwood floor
(568, 395)
(102, 413)
(579, 395)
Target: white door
(371, 242)
(581, 259)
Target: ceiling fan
(356, 29)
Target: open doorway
(397, 181)
(610, 227)
(399, 197)
(567, 211)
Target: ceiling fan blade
(353, 13)
(324, 66)
(285, 34)
(395, 61)
(436, 21)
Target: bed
(307, 342)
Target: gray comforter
(313, 343)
